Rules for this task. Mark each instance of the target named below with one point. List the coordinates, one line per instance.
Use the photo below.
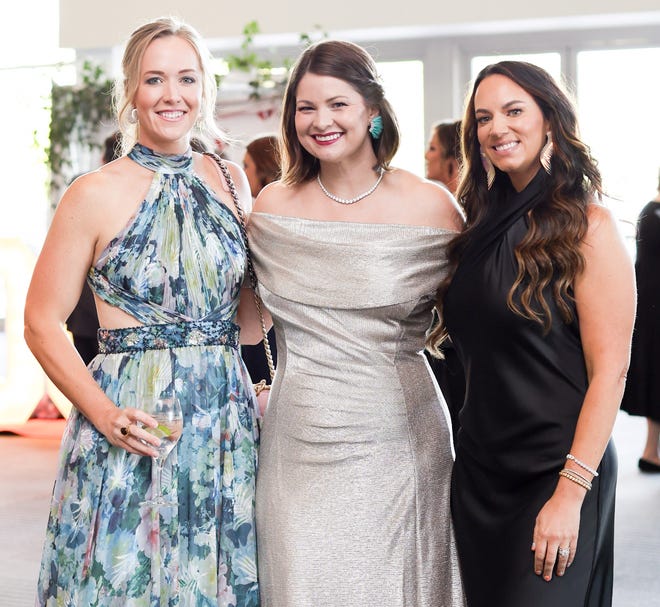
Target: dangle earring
(489, 168)
(546, 153)
(133, 116)
(376, 127)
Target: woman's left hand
(556, 534)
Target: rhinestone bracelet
(589, 469)
(572, 476)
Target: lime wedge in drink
(161, 431)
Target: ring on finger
(564, 552)
(125, 430)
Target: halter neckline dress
(177, 267)
(524, 393)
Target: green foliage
(247, 61)
(265, 75)
(78, 113)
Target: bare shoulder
(101, 202)
(274, 199)
(604, 249)
(428, 203)
(603, 226)
(89, 192)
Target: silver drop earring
(133, 116)
(546, 153)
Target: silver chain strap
(251, 273)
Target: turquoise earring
(376, 127)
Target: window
(618, 93)
(403, 82)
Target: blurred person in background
(642, 395)
(443, 161)
(443, 154)
(262, 166)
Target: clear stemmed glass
(166, 410)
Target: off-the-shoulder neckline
(354, 223)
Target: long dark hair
(549, 254)
(348, 62)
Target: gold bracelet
(571, 476)
(576, 473)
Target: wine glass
(166, 410)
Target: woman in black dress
(540, 309)
(642, 395)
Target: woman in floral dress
(156, 236)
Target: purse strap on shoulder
(224, 169)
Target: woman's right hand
(123, 428)
(555, 538)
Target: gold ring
(125, 430)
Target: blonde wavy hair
(126, 87)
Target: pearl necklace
(381, 172)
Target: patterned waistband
(169, 335)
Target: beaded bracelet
(572, 476)
(589, 469)
(576, 473)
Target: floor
(28, 469)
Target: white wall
(85, 24)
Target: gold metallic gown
(356, 454)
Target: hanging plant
(78, 114)
(265, 77)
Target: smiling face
(511, 128)
(332, 119)
(169, 95)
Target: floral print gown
(177, 267)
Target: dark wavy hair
(549, 254)
(352, 64)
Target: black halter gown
(524, 391)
